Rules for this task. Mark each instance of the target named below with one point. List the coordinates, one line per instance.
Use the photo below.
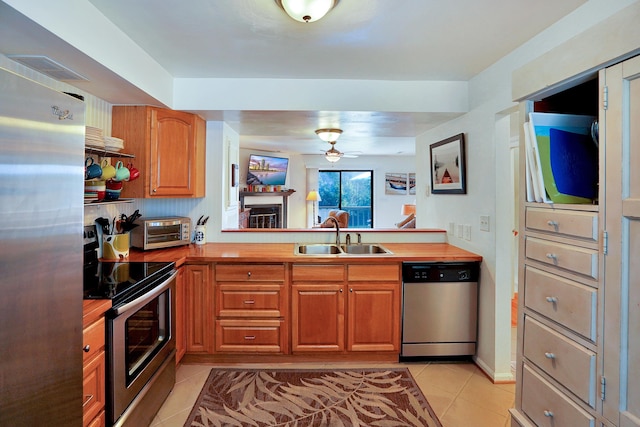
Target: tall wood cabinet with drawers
(578, 346)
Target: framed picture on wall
(412, 183)
(448, 173)
(395, 183)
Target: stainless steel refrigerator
(41, 219)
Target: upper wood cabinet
(169, 147)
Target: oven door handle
(147, 296)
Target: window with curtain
(348, 190)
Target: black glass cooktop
(122, 281)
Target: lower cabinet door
(373, 318)
(317, 317)
(93, 388)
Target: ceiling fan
(331, 136)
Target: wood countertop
(284, 252)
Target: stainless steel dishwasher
(439, 308)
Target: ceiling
(408, 40)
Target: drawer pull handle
(552, 300)
(87, 399)
(249, 337)
(249, 301)
(553, 257)
(86, 348)
(553, 224)
(550, 355)
(548, 414)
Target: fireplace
(265, 216)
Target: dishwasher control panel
(418, 272)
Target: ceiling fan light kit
(333, 155)
(307, 10)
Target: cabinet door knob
(340, 290)
(548, 414)
(154, 190)
(248, 274)
(550, 355)
(350, 290)
(86, 348)
(552, 299)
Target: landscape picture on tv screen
(267, 170)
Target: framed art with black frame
(448, 172)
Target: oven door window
(146, 332)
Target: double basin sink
(332, 249)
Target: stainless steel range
(140, 333)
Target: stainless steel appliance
(165, 232)
(439, 308)
(140, 333)
(41, 215)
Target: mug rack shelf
(107, 153)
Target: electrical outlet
(467, 232)
(452, 228)
(459, 231)
(484, 223)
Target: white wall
(490, 97)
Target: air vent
(48, 66)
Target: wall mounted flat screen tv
(267, 170)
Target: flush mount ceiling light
(333, 155)
(329, 135)
(307, 10)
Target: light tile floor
(459, 393)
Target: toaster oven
(161, 232)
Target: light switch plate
(459, 231)
(484, 223)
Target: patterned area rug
(345, 397)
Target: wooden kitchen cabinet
(198, 313)
(351, 308)
(169, 147)
(181, 313)
(252, 306)
(93, 362)
(373, 316)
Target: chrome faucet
(347, 240)
(359, 238)
(335, 221)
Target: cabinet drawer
(250, 300)
(378, 272)
(93, 336)
(318, 273)
(547, 406)
(249, 336)
(246, 272)
(93, 388)
(579, 224)
(566, 361)
(569, 303)
(573, 258)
